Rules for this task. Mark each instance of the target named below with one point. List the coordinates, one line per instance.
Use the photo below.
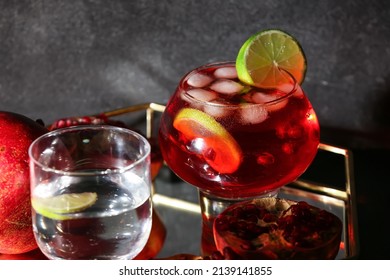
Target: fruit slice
(218, 147)
(55, 207)
(265, 56)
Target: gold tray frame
(344, 197)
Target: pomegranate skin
(17, 132)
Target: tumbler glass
(91, 192)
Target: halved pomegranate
(85, 120)
(274, 228)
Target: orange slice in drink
(219, 149)
(265, 57)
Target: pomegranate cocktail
(243, 129)
(233, 140)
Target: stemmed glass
(91, 192)
(233, 141)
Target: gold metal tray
(328, 184)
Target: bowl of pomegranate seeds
(276, 228)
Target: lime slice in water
(57, 206)
(265, 56)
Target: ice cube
(199, 80)
(253, 114)
(286, 88)
(202, 94)
(216, 109)
(226, 86)
(228, 72)
(261, 98)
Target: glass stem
(211, 206)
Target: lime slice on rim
(219, 149)
(266, 55)
(57, 207)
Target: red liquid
(276, 140)
(275, 151)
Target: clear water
(117, 226)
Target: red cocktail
(234, 141)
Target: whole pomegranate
(17, 132)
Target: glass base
(211, 206)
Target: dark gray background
(77, 57)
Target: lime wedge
(265, 56)
(57, 207)
(216, 140)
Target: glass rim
(102, 127)
(285, 95)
